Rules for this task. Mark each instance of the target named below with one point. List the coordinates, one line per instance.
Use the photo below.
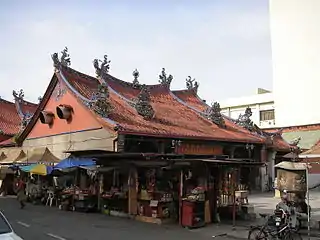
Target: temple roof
(315, 149)
(190, 97)
(160, 112)
(12, 114)
(172, 118)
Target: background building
(261, 104)
(295, 38)
(295, 45)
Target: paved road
(45, 223)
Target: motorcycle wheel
(257, 233)
(292, 236)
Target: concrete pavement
(44, 223)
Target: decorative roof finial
(102, 105)
(295, 141)
(192, 84)
(63, 61)
(25, 120)
(19, 95)
(39, 99)
(215, 115)
(164, 79)
(102, 70)
(245, 121)
(143, 105)
(135, 75)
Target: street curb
(317, 235)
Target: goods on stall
(197, 194)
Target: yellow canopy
(39, 169)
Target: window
(267, 115)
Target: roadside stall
(158, 195)
(114, 191)
(194, 198)
(37, 187)
(78, 174)
(292, 178)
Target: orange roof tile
(315, 149)
(10, 119)
(311, 127)
(172, 119)
(191, 98)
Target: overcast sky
(224, 44)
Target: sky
(223, 44)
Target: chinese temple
(79, 112)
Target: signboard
(201, 149)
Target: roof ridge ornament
(19, 95)
(135, 82)
(164, 79)
(192, 84)
(215, 115)
(102, 69)
(101, 104)
(64, 59)
(25, 120)
(295, 141)
(245, 121)
(143, 104)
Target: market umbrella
(39, 169)
(74, 163)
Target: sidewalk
(239, 232)
(221, 230)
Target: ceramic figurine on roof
(215, 115)
(25, 120)
(18, 95)
(135, 82)
(245, 121)
(192, 84)
(295, 141)
(101, 104)
(143, 105)
(164, 79)
(39, 99)
(102, 69)
(64, 60)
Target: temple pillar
(264, 177)
(133, 192)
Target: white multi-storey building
(261, 104)
(295, 45)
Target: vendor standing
(21, 195)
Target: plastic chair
(51, 198)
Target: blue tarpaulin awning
(75, 162)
